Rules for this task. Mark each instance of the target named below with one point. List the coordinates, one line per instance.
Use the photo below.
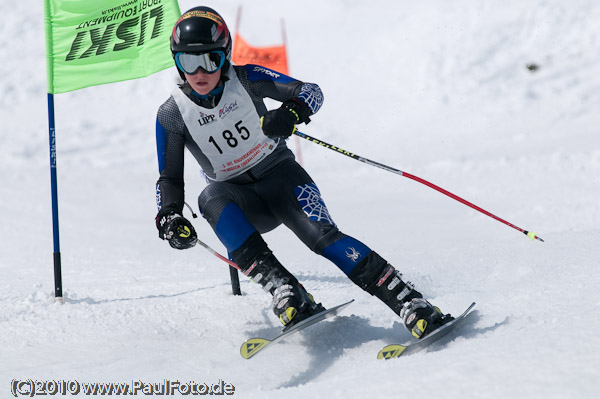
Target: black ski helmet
(198, 30)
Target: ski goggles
(209, 62)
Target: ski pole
(532, 235)
(233, 268)
(218, 255)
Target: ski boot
(292, 304)
(421, 317)
(379, 278)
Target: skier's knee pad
(326, 235)
(212, 200)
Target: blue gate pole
(58, 290)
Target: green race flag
(92, 42)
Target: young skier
(255, 184)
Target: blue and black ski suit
(255, 184)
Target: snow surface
(439, 89)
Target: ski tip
(252, 346)
(343, 305)
(391, 351)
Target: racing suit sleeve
(170, 145)
(262, 82)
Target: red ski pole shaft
(470, 204)
(218, 255)
(532, 235)
(233, 268)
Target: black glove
(281, 122)
(176, 229)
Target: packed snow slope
(438, 89)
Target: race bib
(229, 135)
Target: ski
(395, 350)
(254, 345)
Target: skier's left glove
(281, 122)
(176, 229)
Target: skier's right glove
(176, 229)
